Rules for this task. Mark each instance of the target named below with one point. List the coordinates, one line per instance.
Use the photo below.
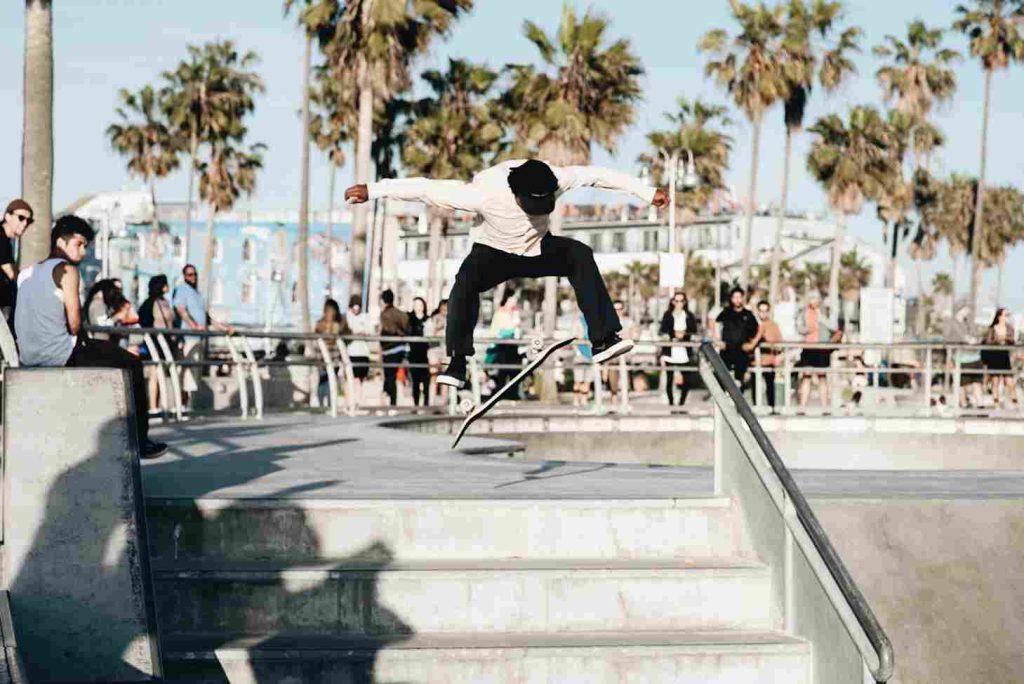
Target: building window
(218, 292)
(248, 251)
(218, 250)
(650, 241)
(421, 249)
(248, 290)
(295, 293)
(178, 248)
(596, 243)
(618, 241)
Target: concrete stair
(503, 591)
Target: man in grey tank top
(49, 322)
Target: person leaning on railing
(155, 312)
(1000, 332)
(768, 335)
(677, 325)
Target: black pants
(105, 354)
(769, 386)
(420, 383)
(391, 374)
(486, 267)
(738, 361)
(684, 390)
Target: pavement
(315, 456)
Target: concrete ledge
(75, 544)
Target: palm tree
(314, 19)
(586, 93)
(144, 137)
(698, 127)
(852, 161)
(331, 124)
(993, 28)
(855, 273)
(952, 216)
(451, 135)
(918, 75)
(1004, 207)
(202, 96)
(807, 61)
(373, 43)
(749, 66)
(224, 176)
(37, 140)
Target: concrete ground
(315, 456)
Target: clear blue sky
(104, 45)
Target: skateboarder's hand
(357, 194)
(660, 198)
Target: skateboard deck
(542, 355)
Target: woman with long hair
(359, 323)
(677, 325)
(1001, 333)
(155, 312)
(436, 326)
(419, 372)
(334, 324)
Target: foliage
(994, 31)
(918, 73)
(143, 135)
(584, 92)
(700, 128)
(851, 159)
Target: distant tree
(142, 135)
(37, 129)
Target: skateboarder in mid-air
(515, 200)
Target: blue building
(254, 281)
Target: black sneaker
(151, 449)
(611, 347)
(455, 374)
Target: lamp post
(688, 180)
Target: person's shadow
(84, 545)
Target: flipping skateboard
(540, 353)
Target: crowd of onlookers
(41, 305)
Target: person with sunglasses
(17, 218)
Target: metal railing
(801, 525)
(881, 373)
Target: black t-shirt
(738, 327)
(8, 288)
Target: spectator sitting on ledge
(49, 321)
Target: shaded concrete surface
(321, 457)
(75, 558)
(944, 579)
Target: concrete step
(750, 657)
(299, 530)
(492, 596)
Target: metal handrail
(854, 598)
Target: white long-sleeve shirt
(504, 225)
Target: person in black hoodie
(677, 325)
(737, 328)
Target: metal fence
(862, 379)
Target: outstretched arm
(446, 194)
(571, 177)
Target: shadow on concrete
(93, 542)
(548, 466)
(78, 551)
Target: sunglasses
(24, 218)
(190, 274)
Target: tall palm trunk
(833, 275)
(952, 294)
(435, 223)
(303, 284)
(922, 318)
(193, 148)
(37, 136)
(155, 223)
(748, 226)
(330, 228)
(550, 308)
(363, 162)
(773, 288)
(999, 284)
(976, 241)
(207, 273)
(890, 271)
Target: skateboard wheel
(537, 343)
(466, 405)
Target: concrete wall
(809, 448)
(75, 546)
(944, 579)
